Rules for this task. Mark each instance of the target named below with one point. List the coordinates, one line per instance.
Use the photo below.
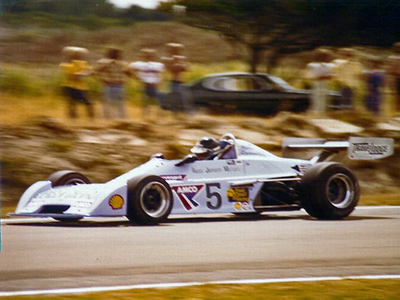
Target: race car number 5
(215, 197)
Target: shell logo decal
(116, 202)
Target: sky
(128, 3)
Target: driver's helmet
(206, 148)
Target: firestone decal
(116, 202)
(186, 195)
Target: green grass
(346, 289)
(38, 81)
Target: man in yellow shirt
(74, 71)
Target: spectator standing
(149, 73)
(74, 71)
(176, 64)
(319, 72)
(347, 74)
(394, 71)
(113, 72)
(374, 79)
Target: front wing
(42, 200)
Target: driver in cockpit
(208, 148)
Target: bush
(19, 83)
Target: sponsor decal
(197, 171)
(186, 194)
(232, 169)
(176, 177)
(213, 170)
(370, 148)
(238, 194)
(116, 202)
(242, 206)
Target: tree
(139, 13)
(6, 5)
(276, 27)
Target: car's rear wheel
(329, 191)
(149, 200)
(67, 177)
(300, 105)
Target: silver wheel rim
(154, 199)
(74, 181)
(340, 190)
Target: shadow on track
(185, 219)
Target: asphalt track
(45, 254)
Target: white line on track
(186, 284)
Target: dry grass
(332, 290)
(45, 45)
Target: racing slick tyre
(329, 191)
(149, 200)
(67, 177)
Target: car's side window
(221, 83)
(237, 84)
(251, 84)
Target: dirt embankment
(32, 151)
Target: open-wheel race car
(226, 176)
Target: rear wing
(359, 148)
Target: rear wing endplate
(358, 148)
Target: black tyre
(300, 105)
(149, 200)
(329, 191)
(67, 177)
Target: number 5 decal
(216, 195)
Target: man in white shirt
(320, 72)
(148, 72)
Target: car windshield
(280, 82)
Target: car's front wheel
(329, 191)
(149, 200)
(67, 177)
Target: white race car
(239, 178)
